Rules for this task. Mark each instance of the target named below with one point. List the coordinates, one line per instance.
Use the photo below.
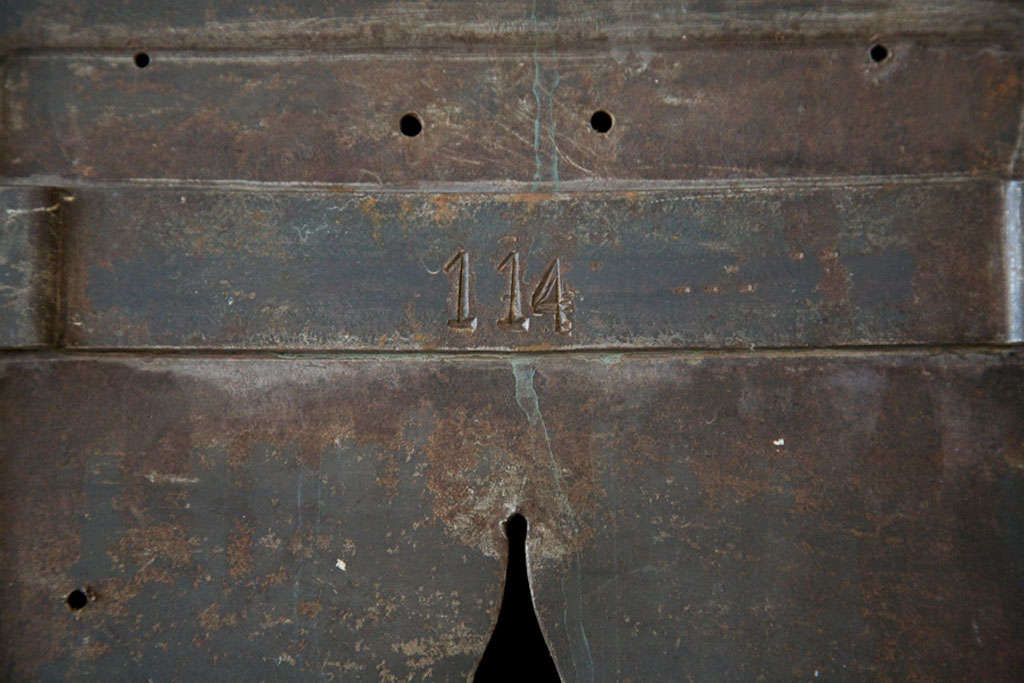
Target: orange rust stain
(211, 620)
(446, 208)
(406, 209)
(239, 552)
(369, 207)
(309, 609)
(277, 577)
(388, 475)
(835, 278)
(530, 199)
(164, 541)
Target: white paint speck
(340, 564)
(779, 442)
(158, 478)
(816, 673)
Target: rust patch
(446, 208)
(239, 551)
(835, 278)
(531, 200)
(165, 541)
(309, 609)
(210, 619)
(493, 459)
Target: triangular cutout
(517, 650)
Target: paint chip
(779, 442)
(340, 564)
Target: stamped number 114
(549, 296)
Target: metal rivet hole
(410, 125)
(601, 121)
(77, 599)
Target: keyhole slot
(517, 650)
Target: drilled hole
(879, 52)
(77, 599)
(410, 125)
(601, 121)
(517, 650)
(141, 60)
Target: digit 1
(514, 320)
(462, 321)
(550, 296)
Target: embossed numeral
(551, 296)
(463, 321)
(514, 320)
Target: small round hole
(601, 121)
(77, 599)
(878, 53)
(410, 125)
(141, 60)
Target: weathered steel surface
(720, 517)
(733, 111)
(403, 23)
(783, 265)
(703, 515)
(29, 266)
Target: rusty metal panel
(29, 271)
(730, 517)
(277, 366)
(733, 111)
(784, 264)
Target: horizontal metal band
(710, 111)
(524, 23)
(872, 264)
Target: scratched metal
(730, 517)
(769, 265)
(731, 111)
(402, 23)
(29, 254)
(719, 514)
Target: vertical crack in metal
(579, 645)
